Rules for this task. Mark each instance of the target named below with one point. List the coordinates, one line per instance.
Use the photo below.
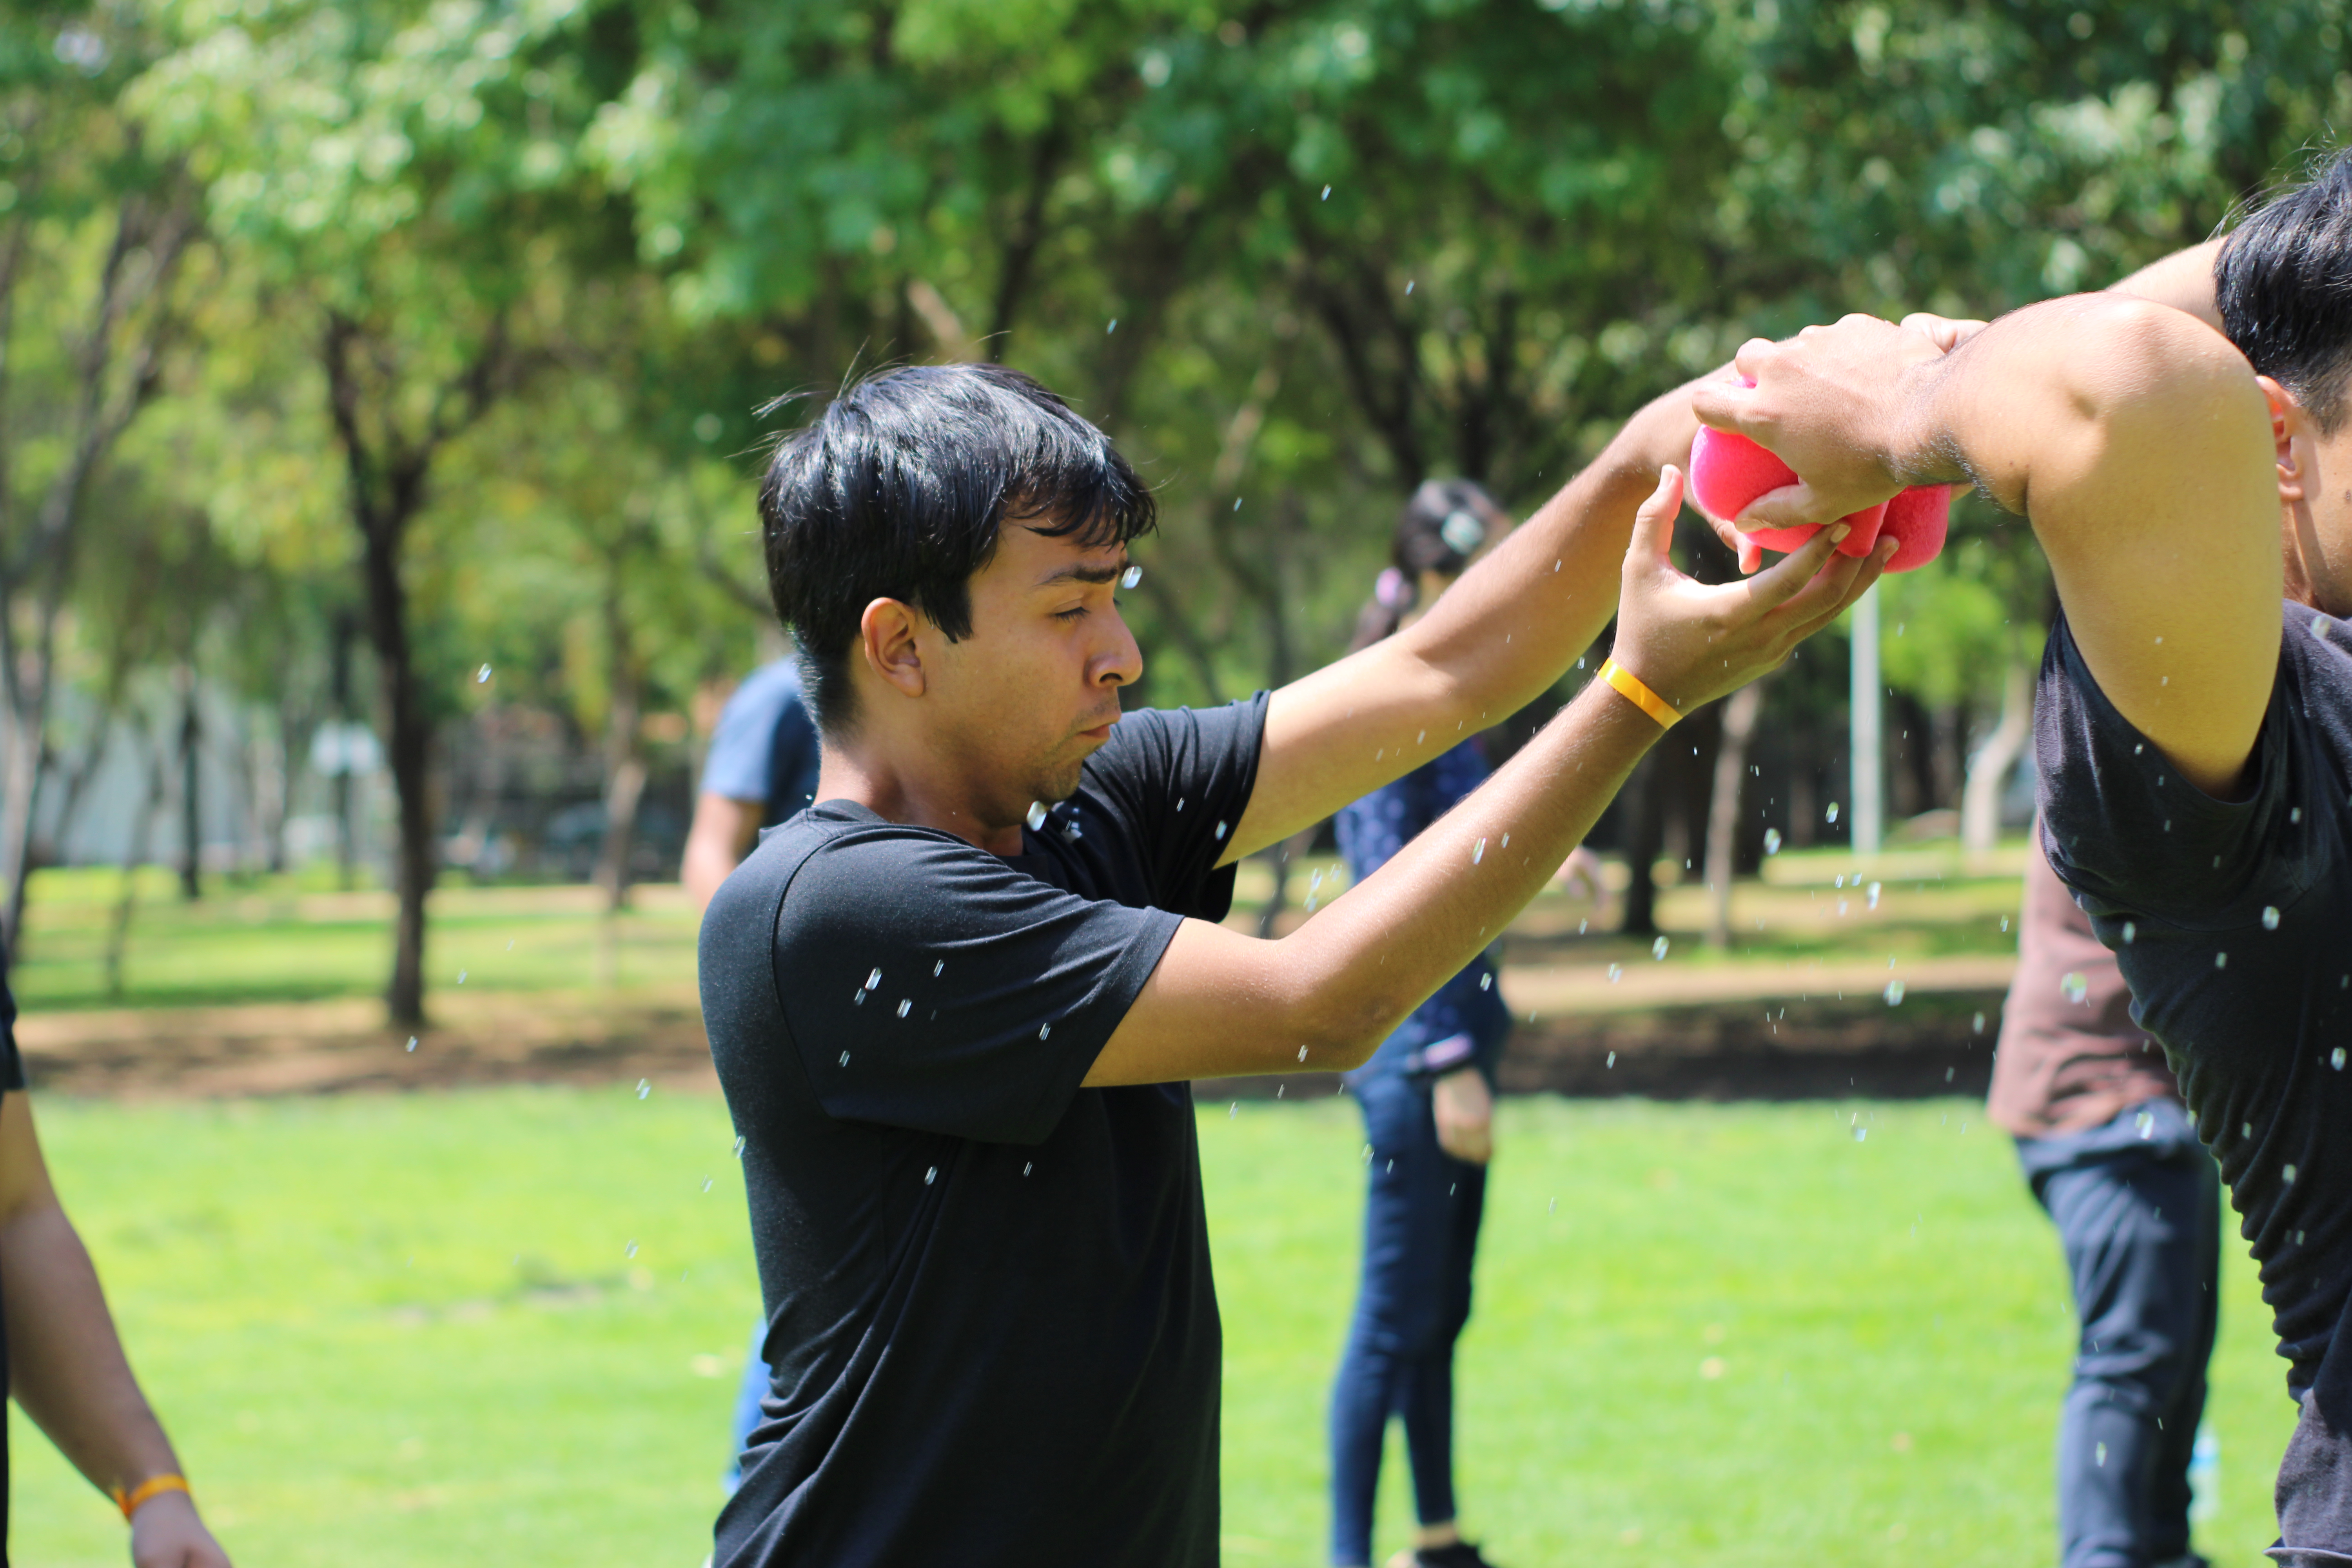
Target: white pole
(1868, 738)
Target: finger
(1751, 555)
(1790, 506)
(1654, 523)
(1723, 404)
(1731, 537)
(1788, 577)
(1838, 590)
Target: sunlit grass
(409, 1330)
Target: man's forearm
(1506, 631)
(67, 1366)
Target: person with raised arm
(2193, 489)
(955, 1004)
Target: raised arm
(2183, 280)
(67, 1367)
(1221, 1001)
(1492, 645)
(2148, 456)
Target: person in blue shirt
(763, 768)
(1427, 1096)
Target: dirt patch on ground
(325, 1047)
(1589, 1041)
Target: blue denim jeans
(1420, 1235)
(2137, 1206)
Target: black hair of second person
(1420, 545)
(2283, 285)
(897, 491)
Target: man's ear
(2287, 421)
(889, 633)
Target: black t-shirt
(991, 1321)
(2232, 924)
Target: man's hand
(1831, 404)
(1464, 1109)
(166, 1533)
(1691, 642)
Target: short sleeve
(743, 747)
(929, 985)
(2127, 833)
(1180, 779)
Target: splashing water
(482, 675)
(2269, 917)
(739, 1145)
(1616, 973)
(906, 1006)
(1893, 992)
(2335, 1058)
(1658, 949)
(1130, 577)
(2073, 986)
(1771, 841)
(1045, 1030)
(874, 980)
(644, 1088)
(1477, 852)
(412, 1042)
(1831, 814)
(1870, 895)
(1037, 818)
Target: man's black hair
(2283, 284)
(898, 489)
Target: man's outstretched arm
(1498, 639)
(1221, 1001)
(2140, 443)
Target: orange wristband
(1629, 686)
(152, 1486)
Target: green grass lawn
(412, 1331)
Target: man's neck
(916, 798)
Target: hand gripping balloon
(1728, 471)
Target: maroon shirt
(2070, 1057)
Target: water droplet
(2288, 1172)
(630, 1250)
(1408, 285)
(1327, 193)
(1771, 841)
(2073, 986)
(1859, 1133)
(2269, 917)
(874, 980)
(1028, 1165)
(1870, 895)
(412, 1042)
(1840, 882)
(1044, 1030)
(1112, 328)
(1219, 833)
(1978, 1026)
(942, 964)
(1612, 1056)
(2220, 960)
(1506, 841)
(706, 1184)
(2004, 922)
(2131, 932)
(1130, 577)
(1302, 1053)
(1616, 973)
(930, 1175)
(461, 977)
(845, 1058)
(1235, 1110)
(858, 1000)
(2335, 1058)
(1893, 992)
(1485, 983)
(1658, 949)
(2103, 1456)
(482, 675)
(1036, 817)
(1831, 816)
(1477, 852)
(2295, 813)
(2246, 1130)
(644, 1088)
(906, 1006)
(2320, 626)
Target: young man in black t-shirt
(2193, 491)
(955, 1004)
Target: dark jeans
(2137, 1206)
(1421, 1233)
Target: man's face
(2319, 526)
(1034, 691)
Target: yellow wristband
(1629, 686)
(153, 1485)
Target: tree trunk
(1740, 715)
(191, 885)
(134, 855)
(409, 755)
(1989, 769)
(1646, 823)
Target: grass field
(503, 1326)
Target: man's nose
(1120, 664)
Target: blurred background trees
(380, 380)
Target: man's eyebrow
(1081, 574)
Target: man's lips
(1101, 732)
